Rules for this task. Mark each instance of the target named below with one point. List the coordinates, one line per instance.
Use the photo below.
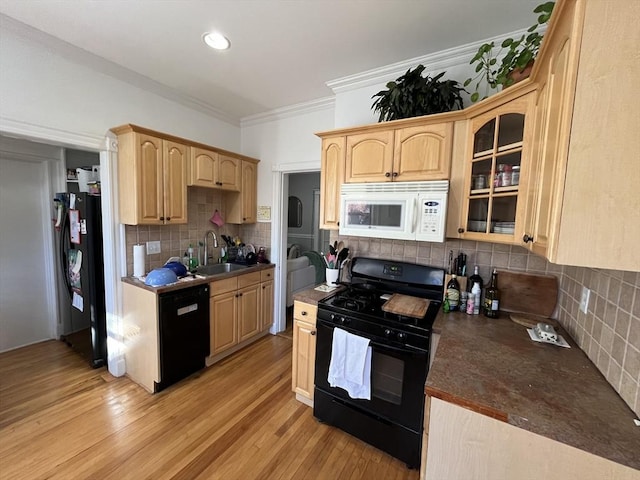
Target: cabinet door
(422, 153)
(331, 179)
(248, 312)
(223, 314)
(370, 157)
(249, 192)
(304, 357)
(266, 305)
(498, 161)
(229, 174)
(204, 165)
(175, 182)
(150, 183)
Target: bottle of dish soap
(193, 261)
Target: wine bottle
(492, 297)
(453, 293)
(474, 278)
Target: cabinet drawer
(266, 275)
(224, 286)
(305, 312)
(248, 279)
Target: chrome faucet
(215, 245)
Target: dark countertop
(313, 296)
(183, 283)
(492, 367)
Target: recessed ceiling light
(216, 40)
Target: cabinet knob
(387, 174)
(526, 238)
(312, 332)
(460, 230)
(395, 174)
(303, 313)
(168, 219)
(162, 218)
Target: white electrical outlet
(584, 299)
(153, 247)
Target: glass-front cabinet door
(493, 194)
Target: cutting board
(527, 292)
(406, 305)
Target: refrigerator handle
(64, 243)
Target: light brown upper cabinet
(495, 172)
(331, 178)
(414, 153)
(214, 170)
(585, 203)
(152, 179)
(242, 207)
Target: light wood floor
(60, 419)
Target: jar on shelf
(515, 175)
(506, 176)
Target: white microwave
(396, 210)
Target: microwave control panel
(432, 217)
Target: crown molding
(52, 136)
(451, 57)
(102, 65)
(289, 111)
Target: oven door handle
(404, 349)
(398, 349)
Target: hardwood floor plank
(238, 419)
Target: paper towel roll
(138, 260)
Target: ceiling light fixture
(216, 40)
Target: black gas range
(392, 418)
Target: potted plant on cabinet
(516, 64)
(412, 95)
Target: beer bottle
(492, 297)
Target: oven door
(398, 375)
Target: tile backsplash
(609, 333)
(175, 239)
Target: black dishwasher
(184, 333)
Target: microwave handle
(416, 203)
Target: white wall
(285, 143)
(50, 89)
(27, 293)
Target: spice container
(515, 175)
(506, 176)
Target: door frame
(113, 233)
(279, 235)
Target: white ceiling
(282, 51)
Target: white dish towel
(350, 366)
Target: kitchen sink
(219, 268)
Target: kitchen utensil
(340, 246)
(527, 293)
(406, 305)
(342, 255)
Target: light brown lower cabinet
(304, 351)
(466, 444)
(241, 311)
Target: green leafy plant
(519, 56)
(412, 95)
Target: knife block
(461, 280)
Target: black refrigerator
(78, 225)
